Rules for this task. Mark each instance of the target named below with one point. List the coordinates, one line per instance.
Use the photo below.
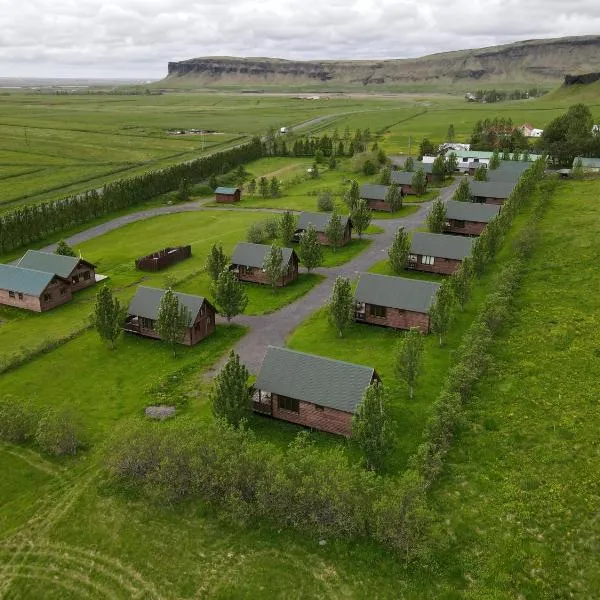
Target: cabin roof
(406, 177)
(146, 302)
(49, 262)
(492, 189)
(226, 191)
(319, 221)
(471, 211)
(315, 379)
(253, 255)
(396, 292)
(438, 244)
(374, 191)
(24, 281)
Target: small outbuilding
(468, 218)
(395, 302)
(143, 313)
(311, 390)
(79, 272)
(320, 222)
(228, 195)
(438, 253)
(491, 192)
(248, 260)
(404, 179)
(33, 290)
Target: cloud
(136, 38)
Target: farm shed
(310, 390)
(228, 195)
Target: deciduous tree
(438, 169)
(436, 217)
(230, 395)
(172, 320)
(495, 160)
(216, 261)
(440, 314)
(310, 250)
(287, 227)
(463, 191)
(263, 187)
(461, 282)
(409, 357)
(352, 194)
(183, 193)
(108, 316)
(361, 217)
(409, 164)
(341, 305)
(481, 173)
(393, 196)
(274, 189)
(419, 182)
(230, 295)
(399, 251)
(273, 265)
(385, 177)
(335, 231)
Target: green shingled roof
(373, 191)
(471, 211)
(227, 191)
(318, 220)
(396, 292)
(24, 281)
(438, 244)
(405, 177)
(50, 263)
(146, 301)
(314, 379)
(253, 255)
(492, 189)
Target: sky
(137, 38)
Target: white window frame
(427, 260)
(412, 258)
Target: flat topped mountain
(532, 61)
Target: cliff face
(529, 62)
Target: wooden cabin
(248, 260)
(403, 179)
(438, 253)
(417, 164)
(228, 195)
(468, 218)
(79, 272)
(33, 290)
(491, 192)
(157, 261)
(374, 195)
(143, 313)
(310, 390)
(320, 221)
(508, 171)
(394, 302)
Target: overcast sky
(136, 38)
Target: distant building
(529, 130)
(228, 195)
(591, 165)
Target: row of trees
(31, 223)
(494, 95)
(490, 134)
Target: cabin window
(86, 275)
(291, 404)
(377, 311)
(319, 407)
(147, 323)
(412, 258)
(20, 296)
(458, 223)
(427, 260)
(75, 279)
(243, 269)
(11, 294)
(47, 297)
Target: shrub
(57, 433)
(255, 233)
(325, 201)
(18, 421)
(271, 228)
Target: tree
(381, 156)
(393, 196)
(318, 157)
(273, 265)
(64, 249)
(495, 160)
(230, 295)
(369, 167)
(506, 154)
(314, 171)
(461, 282)
(408, 358)
(361, 216)
(230, 395)
(310, 251)
(440, 314)
(287, 227)
(372, 427)
(577, 169)
(335, 231)
(525, 156)
(352, 194)
(436, 217)
(172, 320)
(240, 175)
(438, 169)
(263, 187)
(399, 251)
(252, 187)
(481, 173)
(274, 188)
(213, 183)
(341, 305)
(419, 182)
(479, 256)
(216, 261)
(463, 191)
(409, 164)
(385, 177)
(450, 135)
(58, 433)
(108, 316)
(451, 164)
(325, 201)
(184, 190)
(332, 162)
(426, 148)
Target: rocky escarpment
(584, 79)
(529, 62)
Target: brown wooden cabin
(427, 169)
(33, 290)
(143, 313)
(248, 259)
(320, 221)
(438, 253)
(228, 195)
(468, 218)
(157, 261)
(404, 180)
(79, 272)
(310, 390)
(374, 194)
(394, 302)
(491, 192)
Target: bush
(271, 228)
(18, 421)
(325, 201)
(256, 233)
(58, 434)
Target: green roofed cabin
(404, 178)
(79, 272)
(468, 218)
(394, 302)
(320, 221)
(310, 390)
(143, 313)
(248, 259)
(491, 192)
(438, 253)
(228, 195)
(32, 290)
